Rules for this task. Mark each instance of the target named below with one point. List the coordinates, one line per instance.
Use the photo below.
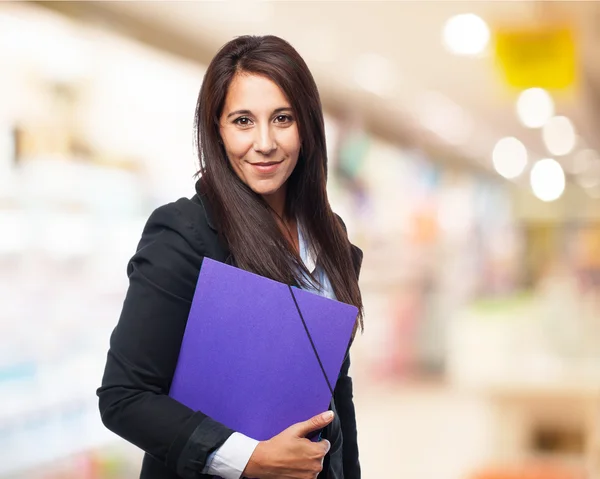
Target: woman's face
(260, 133)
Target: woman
(261, 204)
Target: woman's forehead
(255, 93)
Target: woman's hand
(289, 455)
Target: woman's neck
(276, 201)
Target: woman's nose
(264, 142)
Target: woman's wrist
(256, 463)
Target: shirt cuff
(230, 460)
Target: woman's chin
(264, 188)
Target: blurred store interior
(463, 149)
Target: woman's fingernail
(327, 415)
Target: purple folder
(246, 359)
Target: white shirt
(230, 460)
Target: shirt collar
(307, 253)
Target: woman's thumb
(302, 429)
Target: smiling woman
(260, 136)
(260, 204)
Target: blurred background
(463, 149)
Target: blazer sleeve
(343, 396)
(144, 347)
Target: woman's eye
(243, 121)
(283, 118)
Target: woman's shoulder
(339, 218)
(185, 216)
(173, 243)
(179, 226)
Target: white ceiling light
(376, 74)
(535, 107)
(547, 180)
(465, 34)
(559, 135)
(509, 157)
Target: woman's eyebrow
(248, 112)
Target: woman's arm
(344, 403)
(144, 348)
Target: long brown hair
(244, 219)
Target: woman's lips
(266, 166)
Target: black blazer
(144, 348)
